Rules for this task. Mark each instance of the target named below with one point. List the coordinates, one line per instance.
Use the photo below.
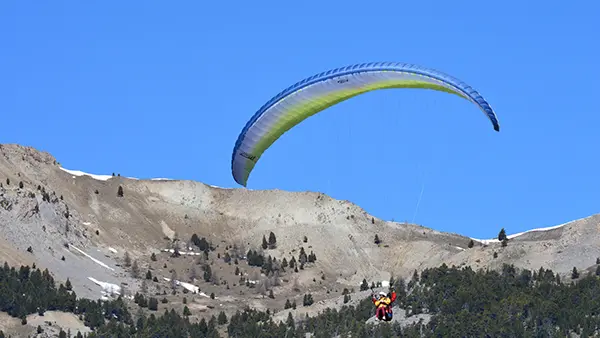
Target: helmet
(382, 294)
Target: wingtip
(238, 181)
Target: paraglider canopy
(320, 91)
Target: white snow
(81, 173)
(182, 252)
(90, 257)
(217, 187)
(384, 283)
(108, 289)
(205, 295)
(76, 173)
(495, 240)
(190, 287)
(112, 250)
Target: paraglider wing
(318, 92)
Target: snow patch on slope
(495, 240)
(182, 252)
(90, 257)
(217, 187)
(76, 173)
(108, 289)
(190, 287)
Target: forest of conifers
(461, 302)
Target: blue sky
(150, 89)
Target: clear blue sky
(157, 89)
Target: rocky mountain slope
(57, 213)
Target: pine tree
(272, 241)
(135, 269)
(290, 321)
(265, 244)
(207, 273)
(153, 304)
(222, 319)
(364, 285)
(127, 259)
(575, 273)
(502, 235)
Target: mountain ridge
(104, 177)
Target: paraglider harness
(383, 305)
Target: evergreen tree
(153, 304)
(272, 241)
(222, 319)
(207, 273)
(265, 244)
(364, 285)
(502, 235)
(575, 273)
